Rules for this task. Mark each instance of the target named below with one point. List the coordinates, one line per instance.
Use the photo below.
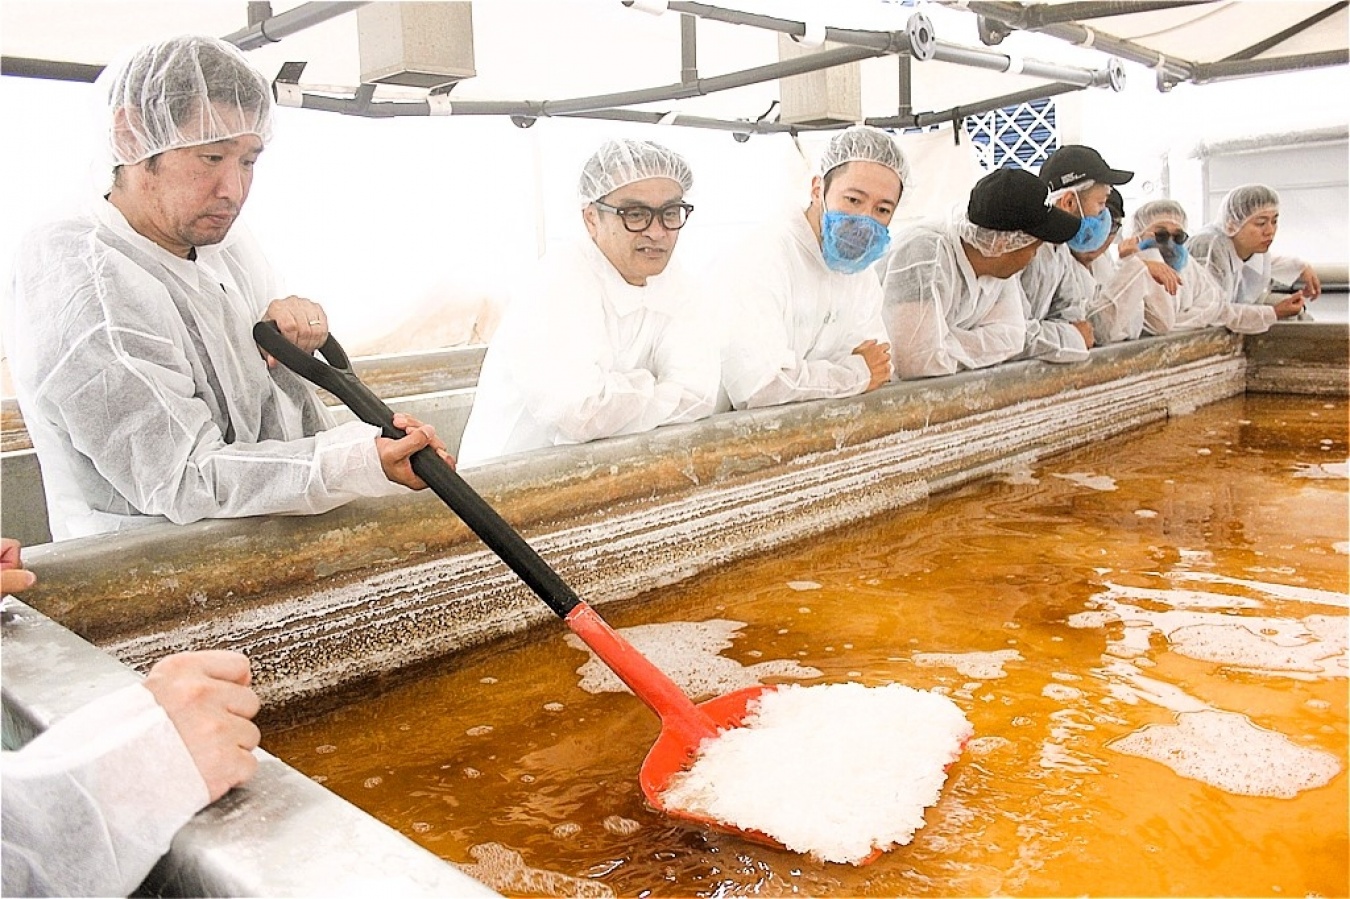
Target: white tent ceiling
(533, 51)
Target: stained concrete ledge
(324, 601)
(1299, 357)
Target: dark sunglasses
(1178, 237)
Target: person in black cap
(1056, 287)
(951, 298)
(1100, 262)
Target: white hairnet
(1244, 202)
(990, 242)
(183, 92)
(863, 143)
(620, 162)
(1151, 212)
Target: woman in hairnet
(608, 337)
(1133, 302)
(952, 299)
(1236, 250)
(803, 313)
(135, 367)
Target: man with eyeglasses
(803, 310)
(1236, 251)
(606, 338)
(1158, 234)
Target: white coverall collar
(660, 294)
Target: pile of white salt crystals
(836, 771)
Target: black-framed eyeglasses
(639, 218)
(1178, 237)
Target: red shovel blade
(675, 750)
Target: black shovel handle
(336, 376)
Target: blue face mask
(850, 243)
(1174, 254)
(1092, 233)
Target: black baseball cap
(1012, 199)
(1116, 203)
(1075, 163)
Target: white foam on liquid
(835, 770)
(1091, 481)
(1325, 471)
(504, 870)
(1228, 751)
(976, 665)
(689, 653)
(803, 585)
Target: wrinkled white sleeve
(1054, 338)
(127, 400)
(561, 362)
(1119, 310)
(688, 373)
(1209, 307)
(1286, 269)
(91, 804)
(760, 364)
(919, 288)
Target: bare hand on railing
(878, 359)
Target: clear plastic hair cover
(989, 242)
(863, 143)
(183, 92)
(620, 162)
(1244, 202)
(1154, 211)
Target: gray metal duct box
(419, 44)
(827, 97)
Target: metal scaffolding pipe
(1001, 62)
(55, 70)
(1276, 39)
(1038, 15)
(902, 42)
(956, 113)
(1174, 70)
(688, 49)
(269, 31)
(816, 61)
(1205, 73)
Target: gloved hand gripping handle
(336, 376)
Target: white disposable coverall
(92, 803)
(942, 317)
(1056, 289)
(1198, 303)
(145, 394)
(1242, 282)
(792, 323)
(582, 354)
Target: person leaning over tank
(607, 338)
(952, 300)
(1158, 232)
(1102, 261)
(1235, 248)
(803, 314)
(134, 364)
(1055, 286)
(91, 804)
